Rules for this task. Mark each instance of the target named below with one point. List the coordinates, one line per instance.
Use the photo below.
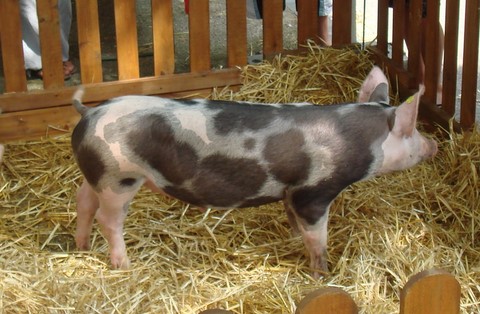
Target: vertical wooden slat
(50, 43)
(431, 50)
(12, 53)
(398, 32)
(272, 27)
(163, 47)
(199, 35)
(89, 41)
(451, 54)
(431, 292)
(127, 43)
(470, 64)
(414, 51)
(342, 22)
(236, 32)
(307, 21)
(382, 26)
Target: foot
(68, 70)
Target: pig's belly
(222, 194)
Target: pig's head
(404, 146)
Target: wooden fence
(407, 72)
(29, 114)
(429, 292)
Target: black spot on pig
(224, 181)
(127, 182)
(189, 101)
(249, 144)
(288, 162)
(79, 133)
(235, 117)
(154, 142)
(90, 163)
(183, 195)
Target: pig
(227, 154)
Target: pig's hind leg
(111, 216)
(87, 205)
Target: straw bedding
(381, 231)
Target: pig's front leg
(87, 205)
(310, 213)
(315, 239)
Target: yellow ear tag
(410, 99)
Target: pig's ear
(375, 87)
(406, 115)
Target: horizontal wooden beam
(35, 124)
(16, 102)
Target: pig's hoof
(82, 244)
(121, 262)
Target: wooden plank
(307, 21)
(470, 64)
(34, 124)
(163, 43)
(236, 33)
(327, 300)
(272, 27)
(127, 42)
(89, 41)
(37, 123)
(199, 35)
(399, 14)
(382, 27)
(449, 93)
(342, 23)
(431, 51)
(102, 91)
(12, 54)
(429, 292)
(50, 43)
(414, 39)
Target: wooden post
(431, 292)
(12, 54)
(449, 93)
(236, 32)
(50, 44)
(272, 27)
(89, 41)
(342, 22)
(327, 300)
(470, 64)
(307, 21)
(163, 47)
(127, 42)
(199, 32)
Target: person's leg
(324, 10)
(30, 34)
(65, 16)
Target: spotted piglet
(225, 154)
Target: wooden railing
(407, 73)
(27, 114)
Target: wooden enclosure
(30, 114)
